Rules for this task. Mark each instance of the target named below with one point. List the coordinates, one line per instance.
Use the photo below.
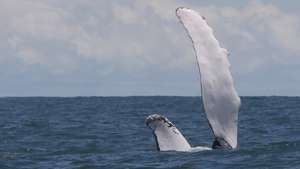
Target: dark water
(109, 132)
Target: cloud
(136, 39)
(133, 31)
(50, 33)
(281, 27)
(258, 34)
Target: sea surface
(110, 132)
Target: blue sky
(138, 47)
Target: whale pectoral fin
(167, 136)
(219, 96)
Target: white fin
(220, 99)
(168, 137)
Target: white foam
(199, 148)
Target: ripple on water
(109, 132)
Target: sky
(139, 48)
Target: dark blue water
(109, 132)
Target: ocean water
(110, 132)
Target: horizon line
(44, 96)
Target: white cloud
(142, 33)
(125, 14)
(281, 27)
(258, 34)
(116, 33)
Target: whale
(220, 100)
(167, 136)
